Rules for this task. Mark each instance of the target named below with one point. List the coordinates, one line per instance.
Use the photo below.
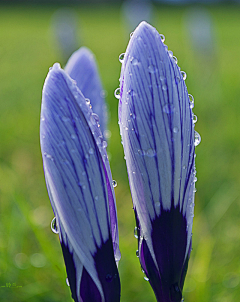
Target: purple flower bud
(157, 128)
(79, 184)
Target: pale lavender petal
(75, 160)
(82, 68)
(158, 139)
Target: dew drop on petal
(87, 101)
(152, 69)
(170, 53)
(136, 232)
(191, 100)
(104, 144)
(91, 151)
(151, 152)
(178, 79)
(137, 253)
(54, 227)
(146, 278)
(168, 108)
(135, 61)
(67, 281)
(162, 37)
(194, 118)
(117, 93)
(175, 59)
(109, 277)
(121, 57)
(184, 75)
(94, 118)
(73, 136)
(114, 183)
(164, 87)
(175, 129)
(197, 138)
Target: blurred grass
(30, 254)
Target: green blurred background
(31, 263)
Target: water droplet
(67, 281)
(96, 198)
(137, 253)
(91, 151)
(184, 75)
(168, 108)
(135, 61)
(157, 204)
(162, 77)
(121, 57)
(87, 101)
(184, 167)
(94, 118)
(131, 34)
(109, 277)
(54, 227)
(146, 278)
(73, 136)
(175, 129)
(104, 144)
(136, 232)
(114, 183)
(164, 87)
(42, 118)
(152, 69)
(191, 100)
(132, 115)
(65, 119)
(178, 79)
(197, 138)
(141, 152)
(170, 53)
(175, 59)
(194, 118)
(151, 152)
(117, 93)
(99, 140)
(175, 293)
(162, 38)
(195, 179)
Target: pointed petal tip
(83, 53)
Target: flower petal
(158, 139)
(77, 174)
(82, 68)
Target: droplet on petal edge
(194, 118)
(67, 281)
(117, 93)
(162, 37)
(184, 75)
(121, 57)
(135, 232)
(114, 183)
(54, 227)
(197, 138)
(191, 100)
